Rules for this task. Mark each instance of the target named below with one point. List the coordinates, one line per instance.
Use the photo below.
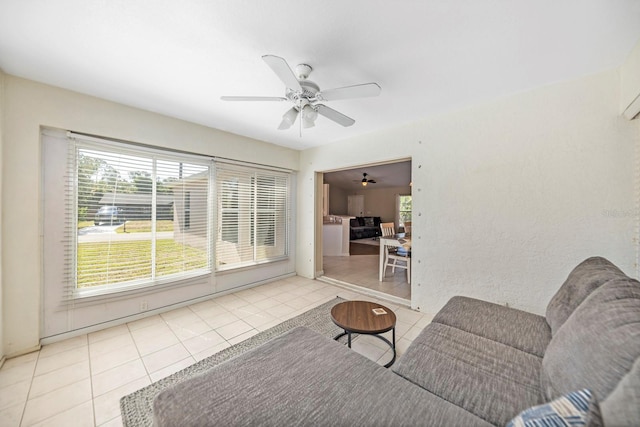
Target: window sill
(90, 297)
(235, 269)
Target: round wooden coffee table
(364, 317)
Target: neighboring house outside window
(253, 215)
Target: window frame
(399, 211)
(247, 195)
(82, 142)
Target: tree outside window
(404, 209)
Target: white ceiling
(429, 56)
(386, 175)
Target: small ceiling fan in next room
(306, 96)
(364, 181)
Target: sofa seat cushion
(363, 232)
(622, 406)
(589, 275)
(302, 378)
(516, 328)
(489, 379)
(597, 345)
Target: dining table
(400, 240)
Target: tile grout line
(33, 375)
(33, 378)
(93, 398)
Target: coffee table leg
(391, 343)
(347, 333)
(393, 334)
(393, 347)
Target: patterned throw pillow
(572, 409)
(368, 221)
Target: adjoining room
(356, 201)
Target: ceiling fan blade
(347, 92)
(332, 114)
(252, 98)
(283, 71)
(288, 119)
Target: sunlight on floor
(362, 270)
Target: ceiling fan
(306, 95)
(364, 181)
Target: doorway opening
(355, 202)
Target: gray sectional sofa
(476, 364)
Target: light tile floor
(79, 381)
(363, 270)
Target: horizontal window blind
(142, 216)
(253, 215)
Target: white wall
(508, 196)
(30, 105)
(2, 353)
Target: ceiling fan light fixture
(364, 183)
(309, 116)
(288, 118)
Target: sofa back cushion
(597, 345)
(584, 279)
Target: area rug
(136, 408)
(357, 249)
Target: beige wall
(337, 201)
(507, 196)
(377, 202)
(630, 82)
(30, 105)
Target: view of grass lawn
(102, 263)
(144, 226)
(84, 224)
(135, 226)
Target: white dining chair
(392, 256)
(387, 229)
(407, 227)
(395, 259)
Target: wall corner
(630, 84)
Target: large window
(142, 216)
(128, 228)
(403, 212)
(253, 214)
